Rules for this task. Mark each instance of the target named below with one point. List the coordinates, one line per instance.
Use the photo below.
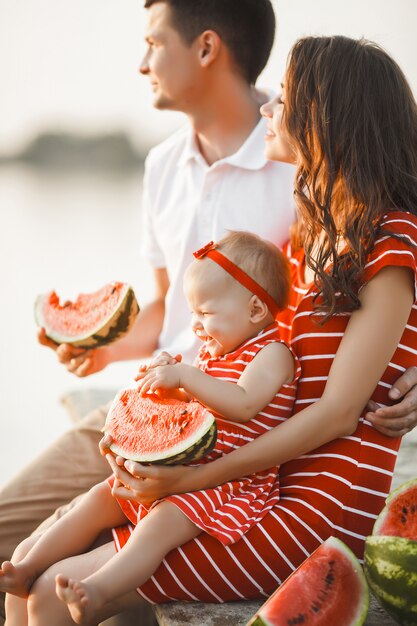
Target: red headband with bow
(238, 274)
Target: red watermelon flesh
(149, 429)
(92, 319)
(328, 589)
(399, 516)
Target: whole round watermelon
(391, 555)
(149, 429)
(391, 571)
(94, 319)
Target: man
(203, 59)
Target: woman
(348, 119)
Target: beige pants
(47, 487)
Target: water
(66, 232)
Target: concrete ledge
(200, 614)
(237, 614)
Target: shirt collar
(191, 150)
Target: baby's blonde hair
(261, 260)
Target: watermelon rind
(260, 619)
(391, 570)
(192, 448)
(110, 329)
(410, 485)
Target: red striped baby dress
(228, 511)
(337, 489)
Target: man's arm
(400, 418)
(139, 343)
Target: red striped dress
(227, 512)
(337, 489)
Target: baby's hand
(164, 358)
(161, 377)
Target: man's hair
(247, 27)
(261, 260)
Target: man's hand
(400, 418)
(79, 361)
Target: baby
(235, 290)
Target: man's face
(171, 66)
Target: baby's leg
(162, 530)
(16, 608)
(44, 606)
(70, 535)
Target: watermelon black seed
(183, 412)
(403, 519)
(405, 510)
(300, 619)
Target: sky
(73, 65)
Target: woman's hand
(147, 483)
(398, 419)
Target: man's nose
(144, 65)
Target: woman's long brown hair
(352, 119)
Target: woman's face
(277, 143)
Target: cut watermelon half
(399, 516)
(328, 589)
(94, 319)
(166, 431)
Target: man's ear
(209, 47)
(258, 310)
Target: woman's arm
(262, 378)
(368, 344)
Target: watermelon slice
(94, 319)
(399, 516)
(328, 589)
(166, 431)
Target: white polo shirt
(188, 203)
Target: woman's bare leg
(45, 608)
(70, 535)
(162, 530)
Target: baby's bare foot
(15, 579)
(81, 599)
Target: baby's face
(220, 307)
